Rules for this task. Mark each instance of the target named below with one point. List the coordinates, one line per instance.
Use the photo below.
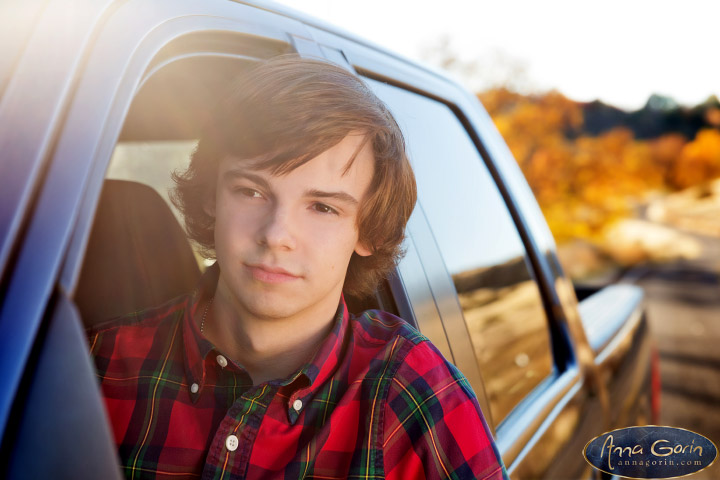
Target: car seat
(137, 257)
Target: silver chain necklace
(207, 309)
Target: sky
(620, 52)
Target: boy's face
(283, 242)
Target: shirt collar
(328, 356)
(316, 372)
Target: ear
(362, 250)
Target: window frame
(445, 294)
(458, 328)
(554, 392)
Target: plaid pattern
(377, 401)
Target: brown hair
(286, 111)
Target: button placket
(242, 421)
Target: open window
(138, 255)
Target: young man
(301, 190)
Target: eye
(322, 208)
(248, 192)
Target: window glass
(151, 163)
(481, 247)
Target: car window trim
(563, 354)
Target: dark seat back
(137, 257)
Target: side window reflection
(481, 248)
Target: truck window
(481, 248)
(137, 233)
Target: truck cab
(100, 100)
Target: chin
(261, 299)
(272, 306)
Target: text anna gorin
(650, 452)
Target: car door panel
(62, 429)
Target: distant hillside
(659, 116)
(591, 164)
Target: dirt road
(683, 303)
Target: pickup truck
(101, 99)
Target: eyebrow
(234, 173)
(341, 196)
(344, 197)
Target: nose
(277, 231)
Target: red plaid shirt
(376, 401)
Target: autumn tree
(583, 182)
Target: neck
(268, 348)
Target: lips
(268, 274)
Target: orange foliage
(698, 160)
(584, 183)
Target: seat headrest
(137, 257)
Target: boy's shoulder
(426, 404)
(379, 327)
(410, 352)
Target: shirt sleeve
(433, 425)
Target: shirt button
(231, 443)
(194, 388)
(297, 405)
(222, 361)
